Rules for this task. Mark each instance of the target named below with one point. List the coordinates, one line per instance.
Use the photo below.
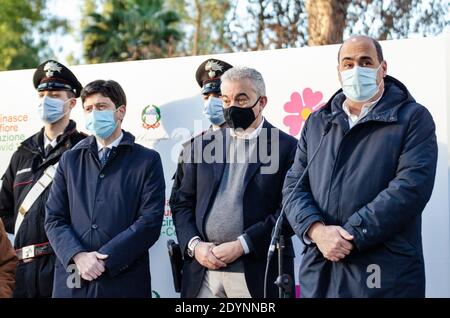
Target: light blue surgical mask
(359, 84)
(213, 110)
(101, 123)
(51, 110)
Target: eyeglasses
(242, 101)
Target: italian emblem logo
(151, 116)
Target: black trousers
(35, 279)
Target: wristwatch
(191, 246)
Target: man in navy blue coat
(359, 209)
(106, 205)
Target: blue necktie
(104, 155)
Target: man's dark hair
(108, 88)
(377, 48)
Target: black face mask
(238, 117)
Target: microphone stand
(285, 281)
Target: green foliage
(130, 30)
(204, 22)
(121, 30)
(16, 48)
(20, 23)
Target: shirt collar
(47, 141)
(365, 109)
(113, 144)
(249, 135)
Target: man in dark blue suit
(230, 196)
(106, 205)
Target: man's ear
(73, 102)
(384, 67)
(263, 101)
(339, 74)
(122, 111)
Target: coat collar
(65, 141)
(35, 143)
(91, 142)
(395, 96)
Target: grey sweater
(225, 221)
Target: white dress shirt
(252, 134)
(111, 145)
(365, 109)
(47, 141)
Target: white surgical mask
(51, 110)
(101, 123)
(213, 110)
(359, 84)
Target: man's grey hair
(239, 73)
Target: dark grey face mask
(238, 117)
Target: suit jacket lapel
(254, 166)
(220, 158)
(216, 167)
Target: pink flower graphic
(301, 106)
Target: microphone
(278, 224)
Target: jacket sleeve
(407, 194)
(131, 244)
(300, 207)
(7, 197)
(260, 233)
(177, 177)
(8, 262)
(183, 205)
(58, 227)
